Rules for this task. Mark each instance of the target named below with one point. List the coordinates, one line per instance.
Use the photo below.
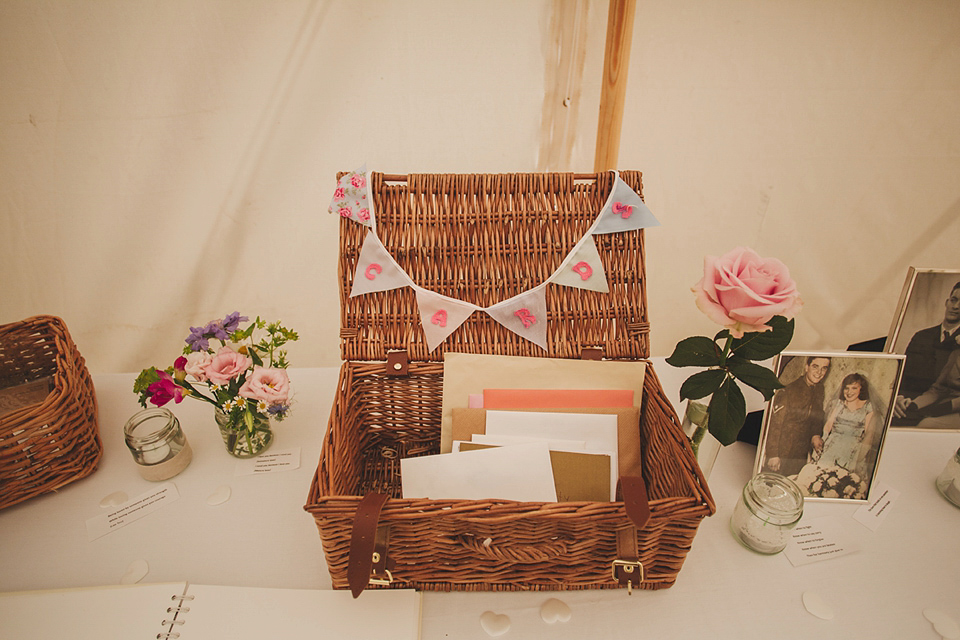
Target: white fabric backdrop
(164, 163)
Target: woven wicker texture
(47, 445)
(377, 419)
(486, 238)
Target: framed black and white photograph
(826, 427)
(926, 329)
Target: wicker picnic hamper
(47, 444)
(482, 239)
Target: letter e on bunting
(440, 315)
(525, 315)
(351, 198)
(624, 211)
(376, 269)
(583, 269)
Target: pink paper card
(556, 398)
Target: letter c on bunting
(372, 271)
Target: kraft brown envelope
(577, 476)
(466, 422)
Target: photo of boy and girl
(825, 427)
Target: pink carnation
(742, 291)
(269, 385)
(227, 365)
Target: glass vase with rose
(754, 300)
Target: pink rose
(269, 385)
(364, 214)
(227, 365)
(345, 212)
(197, 363)
(339, 193)
(357, 180)
(742, 291)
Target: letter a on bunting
(376, 269)
(440, 315)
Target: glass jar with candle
(157, 443)
(948, 482)
(769, 508)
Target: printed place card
(269, 462)
(131, 510)
(819, 539)
(872, 514)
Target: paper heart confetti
(135, 572)
(817, 606)
(553, 611)
(942, 623)
(115, 499)
(221, 495)
(494, 624)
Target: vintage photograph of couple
(927, 330)
(825, 428)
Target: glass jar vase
(948, 482)
(241, 441)
(769, 508)
(157, 443)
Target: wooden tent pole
(616, 62)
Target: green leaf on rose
(698, 351)
(728, 410)
(754, 375)
(702, 384)
(766, 344)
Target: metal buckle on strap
(374, 579)
(628, 572)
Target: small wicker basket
(485, 238)
(47, 444)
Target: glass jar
(948, 482)
(769, 508)
(157, 443)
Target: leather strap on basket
(635, 500)
(627, 569)
(363, 542)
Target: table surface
(262, 537)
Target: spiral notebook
(204, 612)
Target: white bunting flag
(624, 211)
(525, 315)
(440, 315)
(351, 199)
(582, 269)
(376, 269)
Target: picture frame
(929, 303)
(846, 399)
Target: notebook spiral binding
(176, 611)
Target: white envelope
(599, 431)
(505, 441)
(522, 472)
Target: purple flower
(197, 341)
(214, 329)
(232, 322)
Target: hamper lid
(487, 250)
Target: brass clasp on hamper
(627, 572)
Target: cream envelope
(466, 373)
(599, 431)
(522, 472)
(553, 444)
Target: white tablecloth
(262, 537)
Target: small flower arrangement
(755, 300)
(244, 378)
(831, 482)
